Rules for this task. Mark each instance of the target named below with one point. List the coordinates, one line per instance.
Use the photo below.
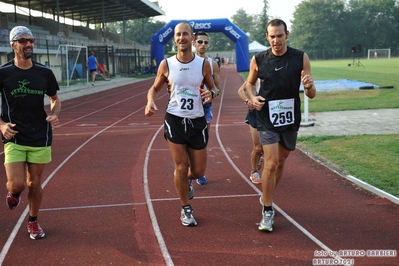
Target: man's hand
(307, 80)
(8, 131)
(206, 96)
(249, 104)
(53, 120)
(150, 109)
(258, 102)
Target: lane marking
(142, 203)
(153, 218)
(17, 226)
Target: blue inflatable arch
(225, 26)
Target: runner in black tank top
(280, 69)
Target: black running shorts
(286, 138)
(190, 132)
(251, 118)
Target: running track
(109, 197)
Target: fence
(343, 53)
(120, 59)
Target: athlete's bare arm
(153, 92)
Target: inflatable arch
(234, 33)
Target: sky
(212, 9)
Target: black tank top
(280, 78)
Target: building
(61, 46)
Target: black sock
(32, 218)
(186, 206)
(16, 195)
(267, 208)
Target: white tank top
(184, 81)
(210, 62)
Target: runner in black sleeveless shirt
(280, 69)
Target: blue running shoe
(201, 181)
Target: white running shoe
(266, 224)
(187, 217)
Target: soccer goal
(379, 53)
(71, 59)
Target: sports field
(382, 72)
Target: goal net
(70, 60)
(379, 53)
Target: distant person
(281, 69)
(92, 65)
(217, 59)
(185, 127)
(256, 158)
(154, 65)
(102, 69)
(25, 126)
(201, 44)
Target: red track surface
(110, 200)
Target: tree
(138, 30)
(324, 28)
(259, 33)
(318, 24)
(244, 21)
(375, 22)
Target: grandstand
(121, 56)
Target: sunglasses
(25, 40)
(201, 42)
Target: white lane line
(289, 218)
(101, 109)
(16, 228)
(154, 222)
(92, 206)
(141, 203)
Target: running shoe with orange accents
(35, 231)
(255, 177)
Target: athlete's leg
(257, 149)
(198, 161)
(283, 155)
(268, 177)
(181, 161)
(34, 184)
(16, 177)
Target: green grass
(371, 158)
(382, 72)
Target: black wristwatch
(213, 94)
